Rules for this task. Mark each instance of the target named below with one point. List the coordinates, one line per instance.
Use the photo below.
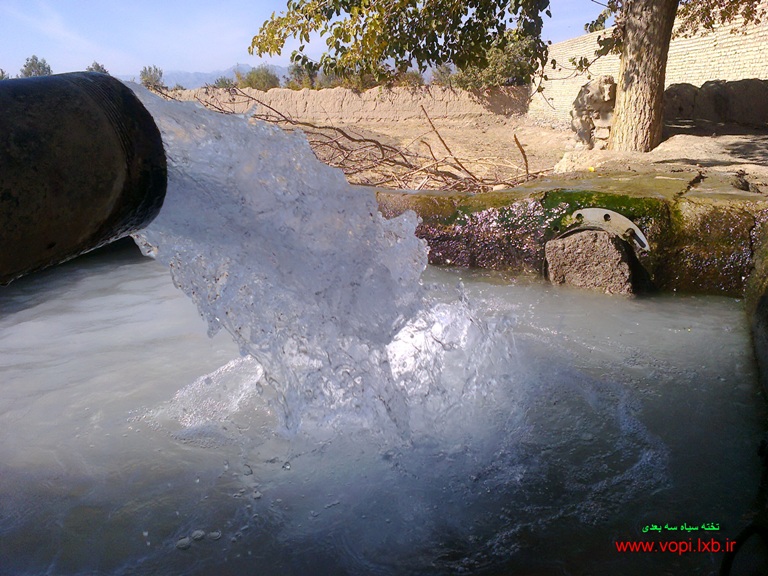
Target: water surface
(562, 422)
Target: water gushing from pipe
(279, 250)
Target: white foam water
(378, 421)
(279, 250)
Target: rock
(747, 102)
(589, 160)
(712, 102)
(739, 102)
(592, 108)
(602, 133)
(603, 122)
(592, 259)
(740, 182)
(680, 101)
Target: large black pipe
(81, 164)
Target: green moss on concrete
(757, 285)
(650, 214)
(710, 247)
(430, 206)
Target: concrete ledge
(701, 231)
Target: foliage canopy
(96, 67)
(299, 77)
(34, 66)
(506, 66)
(704, 15)
(224, 82)
(152, 77)
(260, 78)
(442, 75)
(693, 17)
(386, 37)
(408, 79)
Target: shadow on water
(37, 287)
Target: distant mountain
(198, 79)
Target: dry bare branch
(525, 156)
(446, 145)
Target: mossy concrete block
(430, 205)
(507, 230)
(499, 238)
(700, 228)
(710, 248)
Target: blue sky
(191, 35)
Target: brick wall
(719, 55)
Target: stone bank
(702, 231)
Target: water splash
(311, 281)
(279, 250)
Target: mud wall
(344, 106)
(720, 55)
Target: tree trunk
(638, 119)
